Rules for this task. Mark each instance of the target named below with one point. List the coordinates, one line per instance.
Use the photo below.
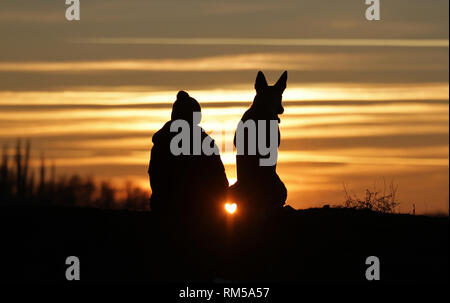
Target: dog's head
(268, 98)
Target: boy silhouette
(185, 184)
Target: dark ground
(315, 245)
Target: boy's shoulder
(162, 134)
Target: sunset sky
(365, 101)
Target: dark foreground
(317, 245)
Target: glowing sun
(231, 207)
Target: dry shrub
(383, 202)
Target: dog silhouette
(259, 188)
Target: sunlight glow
(323, 143)
(291, 61)
(231, 181)
(230, 208)
(233, 93)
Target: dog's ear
(281, 83)
(260, 82)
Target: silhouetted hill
(315, 245)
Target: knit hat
(184, 107)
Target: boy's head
(184, 107)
